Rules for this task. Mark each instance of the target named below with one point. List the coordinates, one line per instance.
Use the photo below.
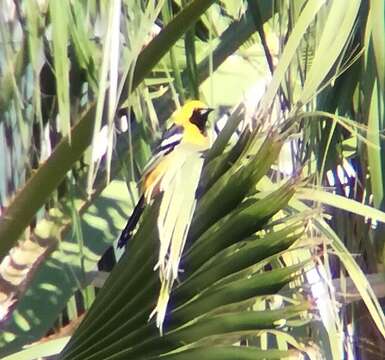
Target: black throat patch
(199, 118)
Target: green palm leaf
(230, 243)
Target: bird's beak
(205, 112)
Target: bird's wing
(171, 138)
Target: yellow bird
(188, 132)
(173, 171)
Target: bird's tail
(131, 223)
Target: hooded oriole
(173, 171)
(186, 135)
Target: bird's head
(195, 112)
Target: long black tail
(131, 223)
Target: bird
(187, 134)
(174, 171)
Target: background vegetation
(285, 254)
